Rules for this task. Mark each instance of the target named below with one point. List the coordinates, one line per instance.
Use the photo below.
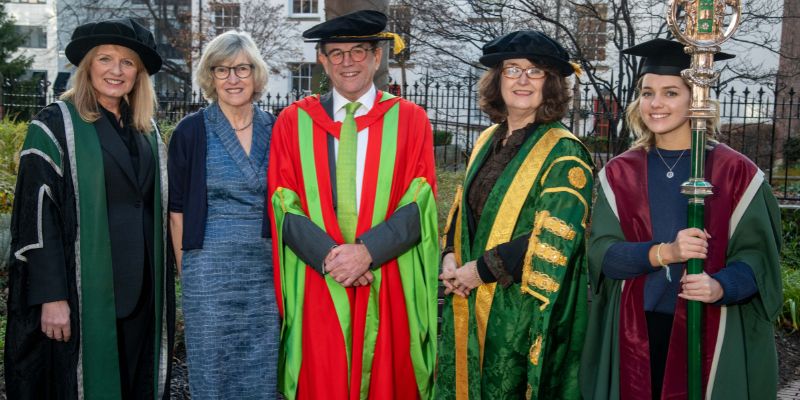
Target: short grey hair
(226, 47)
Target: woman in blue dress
(218, 160)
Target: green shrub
(596, 143)
(12, 136)
(790, 268)
(165, 129)
(790, 254)
(442, 138)
(790, 315)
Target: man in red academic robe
(351, 186)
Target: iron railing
(762, 124)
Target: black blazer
(129, 197)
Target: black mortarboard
(533, 45)
(359, 26)
(124, 32)
(665, 57)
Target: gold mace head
(704, 23)
(702, 27)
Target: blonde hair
(141, 99)
(645, 138)
(226, 47)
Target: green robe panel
(529, 344)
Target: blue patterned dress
(229, 307)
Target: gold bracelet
(478, 275)
(658, 256)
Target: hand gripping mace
(702, 30)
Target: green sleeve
(555, 273)
(756, 240)
(605, 231)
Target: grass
(448, 182)
(794, 170)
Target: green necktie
(346, 211)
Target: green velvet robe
(523, 340)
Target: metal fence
(764, 125)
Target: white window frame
(292, 13)
(296, 72)
(226, 16)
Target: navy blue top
(186, 166)
(625, 260)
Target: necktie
(346, 211)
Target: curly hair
(555, 96)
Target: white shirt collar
(366, 100)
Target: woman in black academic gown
(91, 300)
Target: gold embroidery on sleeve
(574, 193)
(562, 159)
(544, 282)
(559, 228)
(550, 254)
(577, 177)
(527, 267)
(536, 350)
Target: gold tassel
(577, 68)
(399, 43)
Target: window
(305, 6)
(35, 36)
(494, 7)
(24, 1)
(592, 36)
(301, 77)
(226, 17)
(487, 10)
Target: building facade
(36, 20)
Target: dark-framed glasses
(241, 71)
(514, 72)
(357, 54)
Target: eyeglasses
(514, 72)
(357, 54)
(241, 71)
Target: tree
(10, 40)
(169, 19)
(274, 35)
(449, 35)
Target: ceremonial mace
(703, 30)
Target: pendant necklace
(670, 174)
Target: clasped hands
(457, 280)
(349, 264)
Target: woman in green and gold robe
(514, 256)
